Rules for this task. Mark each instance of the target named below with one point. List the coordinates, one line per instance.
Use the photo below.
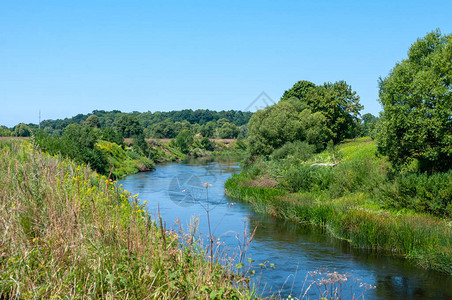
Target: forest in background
(208, 123)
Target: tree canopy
(157, 124)
(299, 90)
(22, 130)
(92, 121)
(336, 101)
(129, 126)
(278, 124)
(417, 101)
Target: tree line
(208, 123)
(414, 130)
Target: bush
(420, 192)
(307, 178)
(228, 131)
(206, 144)
(183, 141)
(145, 164)
(355, 175)
(76, 143)
(139, 144)
(300, 150)
(240, 144)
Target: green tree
(79, 143)
(22, 130)
(76, 142)
(316, 130)
(165, 129)
(183, 141)
(299, 90)
(228, 131)
(111, 135)
(79, 136)
(368, 126)
(207, 144)
(222, 121)
(208, 129)
(243, 131)
(417, 100)
(340, 106)
(128, 126)
(4, 131)
(272, 127)
(336, 101)
(140, 145)
(278, 124)
(92, 121)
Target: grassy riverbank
(66, 231)
(357, 200)
(109, 154)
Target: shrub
(76, 143)
(420, 192)
(300, 150)
(139, 144)
(183, 141)
(206, 144)
(355, 175)
(307, 178)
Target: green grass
(355, 201)
(67, 232)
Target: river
(290, 252)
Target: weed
(66, 231)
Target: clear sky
(70, 57)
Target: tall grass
(67, 232)
(358, 201)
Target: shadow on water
(294, 249)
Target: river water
(290, 252)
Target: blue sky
(70, 57)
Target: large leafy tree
(285, 122)
(129, 126)
(228, 131)
(299, 90)
(340, 106)
(92, 121)
(22, 129)
(336, 101)
(417, 102)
